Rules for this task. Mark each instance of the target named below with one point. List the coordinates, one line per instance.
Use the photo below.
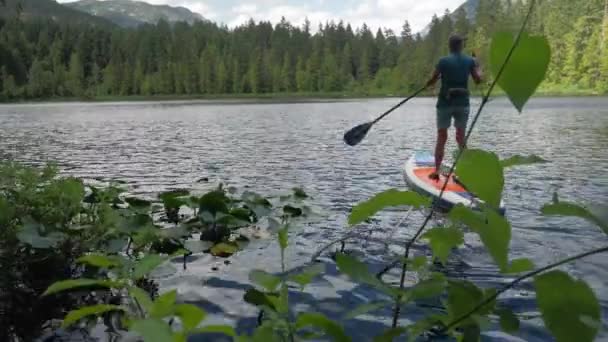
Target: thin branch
(484, 101)
(522, 278)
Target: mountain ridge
(48, 9)
(132, 13)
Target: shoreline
(287, 97)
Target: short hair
(456, 43)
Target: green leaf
(418, 262)
(282, 301)
(463, 296)
(142, 297)
(214, 202)
(152, 330)
(76, 315)
(443, 240)
(359, 272)
(525, 70)
(421, 326)
(522, 160)
(390, 335)
(493, 229)
(563, 301)
(509, 322)
(320, 321)
(190, 315)
(30, 234)
(283, 238)
(6, 212)
(385, 199)
(427, 288)
(164, 305)
(74, 284)
(306, 276)
(299, 193)
(292, 211)
(471, 333)
(100, 260)
(595, 215)
(224, 249)
(216, 329)
(146, 265)
(258, 298)
(520, 266)
(138, 203)
(366, 308)
(482, 174)
(242, 214)
(263, 333)
(264, 279)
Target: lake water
(272, 147)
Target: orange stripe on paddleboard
(424, 172)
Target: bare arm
(434, 78)
(476, 73)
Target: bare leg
(460, 135)
(442, 138)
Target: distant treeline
(45, 59)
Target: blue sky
(376, 13)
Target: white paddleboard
(416, 173)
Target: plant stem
(484, 101)
(522, 278)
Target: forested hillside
(43, 59)
(48, 9)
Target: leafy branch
(519, 280)
(486, 98)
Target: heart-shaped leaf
(563, 303)
(164, 305)
(321, 322)
(442, 240)
(264, 279)
(509, 322)
(152, 330)
(520, 266)
(526, 68)
(482, 174)
(385, 199)
(493, 229)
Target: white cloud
(375, 13)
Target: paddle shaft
(399, 104)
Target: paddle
(356, 134)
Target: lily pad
(224, 249)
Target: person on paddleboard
(453, 99)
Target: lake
(272, 147)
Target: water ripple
(274, 146)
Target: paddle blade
(356, 134)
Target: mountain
(127, 13)
(31, 9)
(470, 7)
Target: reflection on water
(273, 146)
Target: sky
(375, 13)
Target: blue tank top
(455, 70)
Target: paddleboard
(416, 173)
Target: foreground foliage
(98, 242)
